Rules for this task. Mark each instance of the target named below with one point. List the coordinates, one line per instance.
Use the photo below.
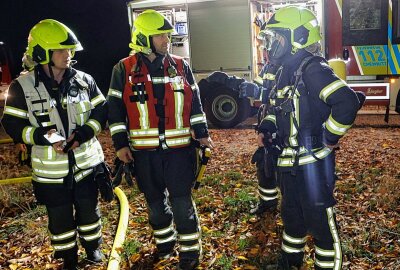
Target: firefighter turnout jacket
(310, 115)
(76, 105)
(154, 110)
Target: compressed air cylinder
(339, 67)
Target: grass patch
(130, 247)
(224, 262)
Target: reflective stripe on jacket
(42, 111)
(140, 103)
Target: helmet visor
(276, 44)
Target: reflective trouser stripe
(336, 240)
(164, 231)
(91, 237)
(194, 247)
(267, 194)
(89, 227)
(59, 247)
(63, 236)
(165, 240)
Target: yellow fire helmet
(300, 23)
(50, 35)
(148, 23)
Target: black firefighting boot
(188, 264)
(94, 255)
(283, 264)
(70, 262)
(264, 206)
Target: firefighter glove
(126, 170)
(103, 179)
(249, 89)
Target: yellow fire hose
(18, 180)
(113, 263)
(6, 141)
(204, 154)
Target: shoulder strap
(298, 74)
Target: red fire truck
(366, 33)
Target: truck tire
(224, 108)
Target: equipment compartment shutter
(220, 35)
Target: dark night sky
(101, 26)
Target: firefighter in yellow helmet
(154, 110)
(310, 110)
(59, 110)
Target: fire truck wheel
(224, 108)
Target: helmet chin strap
(153, 49)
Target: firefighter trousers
(166, 178)
(73, 212)
(307, 208)
(266, 176)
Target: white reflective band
(290, 151)
(82, 117)
(198, 119)
(96, 235)
(194, 86)
(46, 124)
(269, 76)
(50, 172)
(63, 235)
(189, 248)
(259, 80)
(271, 117)
(28, 134)
(283, 162)
(114, 93)
(94, 125)
(50, 162)
(323, 264)
(143, 118)
(83, 164)
(286, 89)
(335, 127)
(265, 198)
(291, 250)
(189, 237)
(336, 239)
(85, 228)
(119, 127)
(323, 252)
(145, 132)
(47, 180)
(146, 142)
(170, 228)
(16, 112)
(166, 79)
(329, 89)
(294, 240)
(178, 109)
(166, 240)
(268, 191)
(79, 176)
(175, 132)
(50, 153)
(172, 142)
(97, 100)
(64, 246)
(42, 113)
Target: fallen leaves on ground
(368, 210)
